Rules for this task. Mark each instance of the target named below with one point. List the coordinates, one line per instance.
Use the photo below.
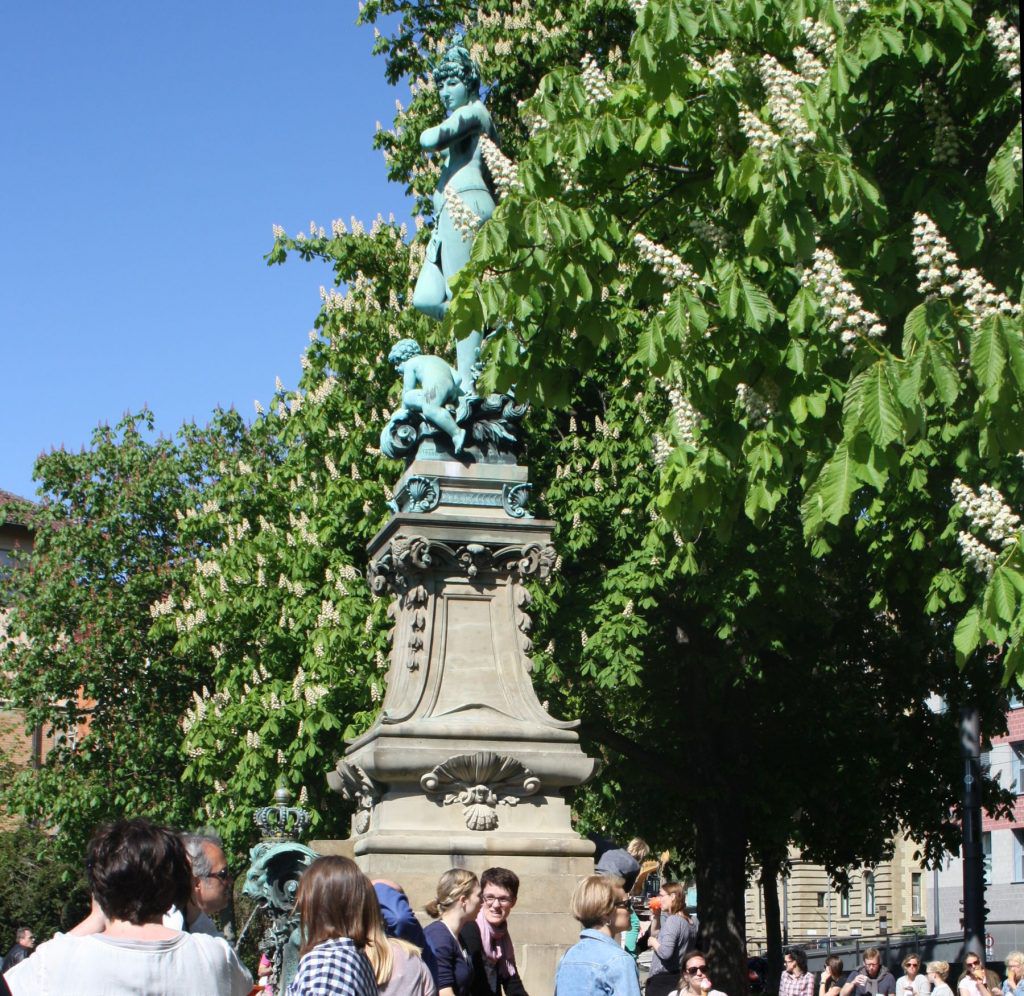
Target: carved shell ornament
(480, 782)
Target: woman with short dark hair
(487, 939)
(136, 871)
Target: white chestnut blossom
(808, 66)
(785, 101)
(464, 218)
(665, 263)
(662, 450)
(1006, 40)
(939, 275)
(820, 37)
(987, 512)
(761, 136)
(278, 231)
(637, 5)
(976, 554)
(946, 145)
(981, 299)
(850, 8)
(937, 269)
(847, 317)
(710, 232)
(755, 406)
(595, 80)
(685, 416)
(503, 171)
(721, 66)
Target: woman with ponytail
(457, 903)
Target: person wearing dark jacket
(24, 942)
(487, 941)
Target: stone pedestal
(464, 766)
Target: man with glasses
(796, 980)
(487, 940)
(870, 978)
(211, 884)
(978, 980)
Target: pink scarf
(497, 947)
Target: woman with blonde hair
(672, 932)
(397, 965)
(938, 972)
(596, 965)
(1014, 984)
(337, 911)
(457, 903)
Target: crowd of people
(154, 892)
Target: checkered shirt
(334, 968)
(793, 985)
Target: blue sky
(146, 151)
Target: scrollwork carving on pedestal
(356, 786)
(480, 782)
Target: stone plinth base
(541, 925)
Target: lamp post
(974, 860)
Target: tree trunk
(772, 921)
(721, 851)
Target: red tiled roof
(16, 510)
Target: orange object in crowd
(654, 903)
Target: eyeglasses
(972, 964)
(696, 969)
(497, 900)
(224, 875)
(622, 904)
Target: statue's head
(403, 350)
(457, 66)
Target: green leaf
(967, 634)
(988, 356)
(828, 498)
(944, 374)
(1003, 177)
(1014, 339)
(757, 308)
(1004, 596)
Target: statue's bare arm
(469, 120)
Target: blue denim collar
(597, 935)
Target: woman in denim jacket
(596, 965)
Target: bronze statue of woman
(462, 178)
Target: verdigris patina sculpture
(428, 385)
(438, 399)
(276, 864)
(463, 200)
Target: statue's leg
(441, 417)
(467, 353)
(431, 293)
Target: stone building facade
(892, 896)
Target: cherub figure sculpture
(462, 193)
(429, 385)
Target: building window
(1018, 855)
(1017, 769)
(821, 900)
(986, 852)
(915, 894)
(844, 903)
(869, 894)
(1015, 700)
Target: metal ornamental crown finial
(281, 821)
